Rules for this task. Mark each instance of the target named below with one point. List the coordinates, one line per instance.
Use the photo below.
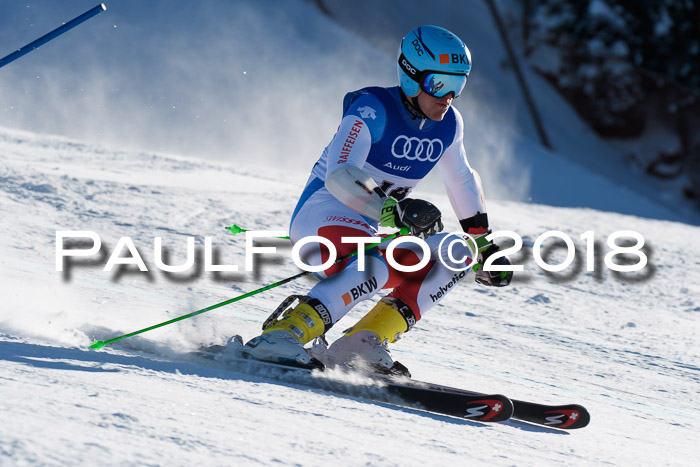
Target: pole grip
(52, 35)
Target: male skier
(387, 141)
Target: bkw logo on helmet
(454, 58)
(412, 149)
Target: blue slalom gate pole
(52, 35)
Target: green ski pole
(235, 229)
(98, 344)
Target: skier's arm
(357, 190)
(466, 195)
(462, 182)
(464, 190)
(345, 178)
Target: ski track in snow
(625, 347)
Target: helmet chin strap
(412, 105)
(414, 102)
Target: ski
(438, 398)
(482, 407)
(476, 407)
(563, 417)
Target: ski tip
(569, 417)
(500, 407)
(584, 418)
(97, 345)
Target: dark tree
(624, 64)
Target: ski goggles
(439, 84)
(435, 83)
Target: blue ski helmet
(433, 60)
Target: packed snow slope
(623, 345)
(248, 93)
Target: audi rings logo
(422, 150)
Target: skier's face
(434, 108)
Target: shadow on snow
(76, 359)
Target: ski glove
(477, 227)
(493, 278)
(421, 217)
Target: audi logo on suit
(422, 150)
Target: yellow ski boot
(283, 339)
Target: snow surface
(623, 345)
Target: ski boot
(283, 339)
(364, 347)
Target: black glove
(477, 227)
(493, 278)
(420, 216)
